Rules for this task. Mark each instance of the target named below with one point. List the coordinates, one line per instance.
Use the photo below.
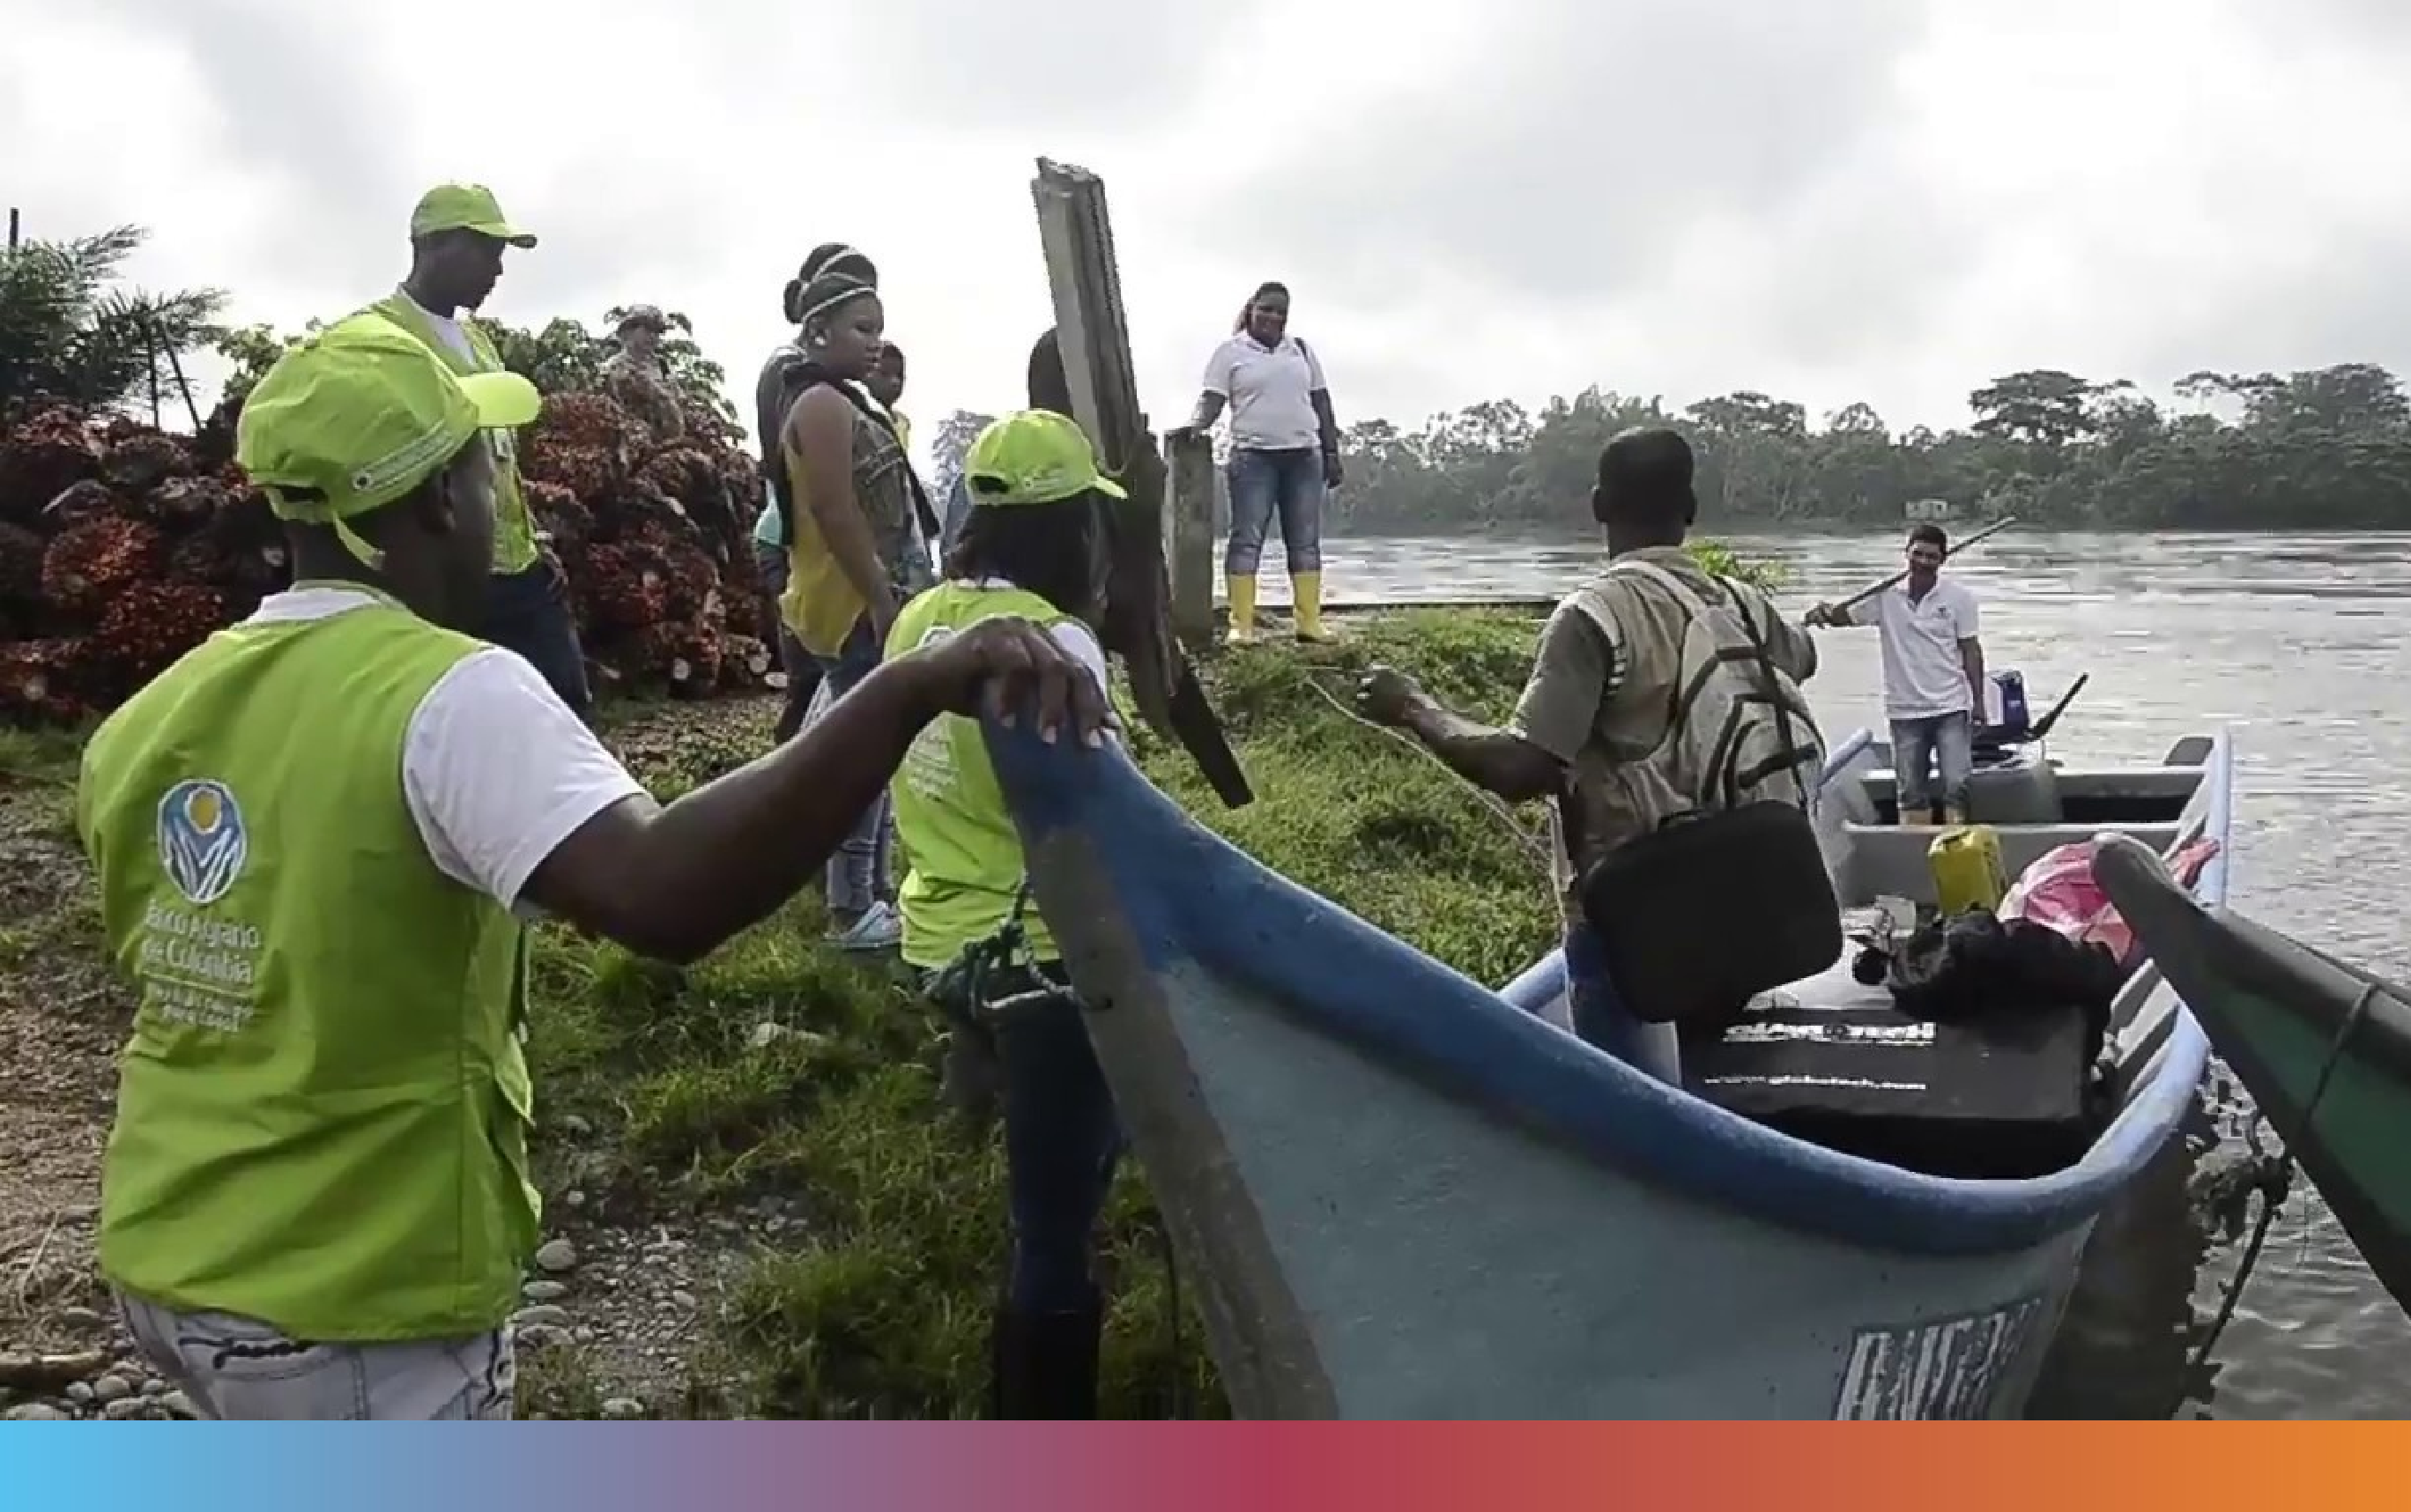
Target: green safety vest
(323, 1113)
(514, 549)
(966, 861)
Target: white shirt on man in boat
(1924, 661)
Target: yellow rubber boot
(1242, 589)
(1306, 589)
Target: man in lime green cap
(316, 837)
(1035, 545)
(457, 238)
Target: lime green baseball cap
(357, 415)
(465, 206)
(1036, 456)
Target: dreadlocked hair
(1052, 550)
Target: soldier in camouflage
(635, 377)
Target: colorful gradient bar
(1238, 1467)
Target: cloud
(1116, 65)
(1566, 154)
(287, 98)
(1888, 200)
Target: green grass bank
(772, 1114)
(875, 1303)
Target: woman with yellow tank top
(773, 394)
(854, 549)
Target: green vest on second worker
(323, 1116)
(967, 867)
(965, 856)
(515, 546)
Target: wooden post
(1189, 535)
(1092, 335)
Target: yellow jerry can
(1965, 860)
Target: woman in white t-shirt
(1285, 454)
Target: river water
(2297, 644)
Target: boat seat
(1833, 987)
(2022, 795)
(1838, 1063)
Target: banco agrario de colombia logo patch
(202, 842)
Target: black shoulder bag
(1716, 904)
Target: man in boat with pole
(1933, 677)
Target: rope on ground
(1533, 844)
(2273, 1189)
(1183, 1407)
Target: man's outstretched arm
(1572, 672)
(521, 809)
(1497, 761)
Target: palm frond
(68, 330)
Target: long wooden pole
(1968, 545)
(1092, 335)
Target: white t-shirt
(495, 768)
(1924, 673)
(1267, 389)
(445, 326)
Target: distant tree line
(2328, 449)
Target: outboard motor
(2003, 723)
(2013, 783)
(2009, 692)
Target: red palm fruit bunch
(147, 627)
(93, 562)
(40, 458)
(46, 681)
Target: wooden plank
(1190, 502)
(1092, 336)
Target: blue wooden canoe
(1406, 1195)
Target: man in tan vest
(1616, 724)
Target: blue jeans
(858, 872)
(1944, 740)
(1599, 1017)
(1285, 485)
(529, 612)
(1061, 1143)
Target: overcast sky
(1888, 200)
